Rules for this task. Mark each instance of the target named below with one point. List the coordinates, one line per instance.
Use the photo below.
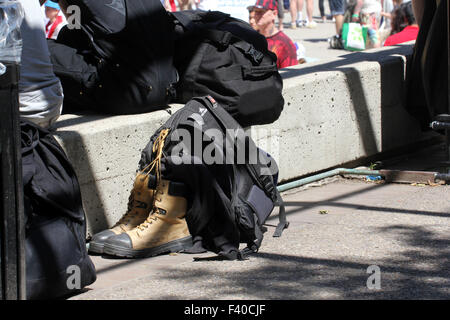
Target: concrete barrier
(335, 111)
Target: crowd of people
(404, 26)
(381, 18)
(389, 22)
(262, 17)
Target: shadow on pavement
(421, 273)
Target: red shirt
(407, 34)
(284, 48)
(52, 29)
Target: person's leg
(337, 8)
(309, 9)
(339, 23)
(300, 4)
(280, 14)
(322, 10)
(293, 11)
(309, 12)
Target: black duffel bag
(220, 56)
(57, 263)
(121, 57)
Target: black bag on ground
(224, 57)
(57, 263)
(122, 57)
(426, 78)
(233, 182)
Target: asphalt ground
(315, 41)
(348, 239)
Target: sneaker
(301, 23)
(335, 42)
(311, 25)
(293, 25)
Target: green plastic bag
(354, 36)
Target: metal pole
(447, 131)
(11, 211)
(328, 174)
(398, 176)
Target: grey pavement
(339, 227)
(314, 40)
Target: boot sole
(172, 246)
(96, 247)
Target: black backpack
(57, 263)
(233, 193)
(225, 58)
(120, 60)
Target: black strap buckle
(225, 41)
(256, 55)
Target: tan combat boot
(165, 230)
(140, 204)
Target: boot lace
(153, 216)
(158, 147)
(144, 225)
(155, 166)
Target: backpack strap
(259, 72)
(226, 38)
(250, 51)
(265, 181)
(183, 19)
(259, 232)
(190, 19)
(253, 247)
(283, 223)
